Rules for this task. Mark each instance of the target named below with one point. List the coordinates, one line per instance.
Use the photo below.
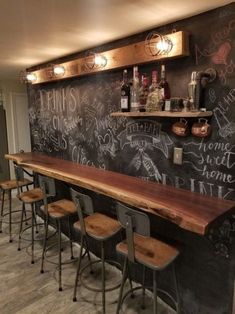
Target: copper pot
(180, 128)
(201, 128)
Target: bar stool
(96, 226)
(30, 197)
(150, 252)
(56, 212)
(7, 187)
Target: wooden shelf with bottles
(167, 114)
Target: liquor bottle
(144, 90)
(125, 93)
(154, 95)
(135, 101)
(165, 88)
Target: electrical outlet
(178, 156)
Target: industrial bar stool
(150, 252)
(30, 197)
(98, 227)
(55, 212)
(6, 187)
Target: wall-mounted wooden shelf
(169, 114)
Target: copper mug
(201, 128)
(180, 128)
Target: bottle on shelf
(125, 93)
(135, 99)
(164, 86)
(143, 95)
(153, 100)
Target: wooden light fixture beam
(120, 57)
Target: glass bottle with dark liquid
(164, 86)
(125, 93)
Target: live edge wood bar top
(189, 210)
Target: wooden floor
(23, 290)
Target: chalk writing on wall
(220, 54)
(145, 135)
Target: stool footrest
(140, 287)
(47, 258)
(99, 289)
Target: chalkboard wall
(71, 119)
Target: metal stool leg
(70, 239)
(44, 246)
(25, 215)
(59, 248)
(124, 277)
(103, 275)
(10, 218)
(78, 269)
(154, 292)
(32, 234)
(35, 217)
(130, 280)
(176, 288)
(89, 256)
(2, 208)
(143, 289)
(21, 226)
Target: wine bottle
(135, 102)
(125, 93)
(165, 88)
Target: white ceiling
(35, 31)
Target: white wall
(9, 87)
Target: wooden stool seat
(12, 184)
(31, 196)
(61, 208)
(147, 251)
(99, 226)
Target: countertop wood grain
(189, 210)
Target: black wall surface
(70, 119)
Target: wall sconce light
(94, 61)
(100, 61)
(58, 70)
(156, 44)
(28, 77)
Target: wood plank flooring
(23, 290)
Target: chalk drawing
(226, 128)
(221, 55)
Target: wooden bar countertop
(189, 210)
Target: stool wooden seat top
(12, 184)
(99, 226)
(61, 208)
(147, 251)
(31, 196)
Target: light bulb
(59, 70)
(100, 60)
(164, 45)
(31, 77)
